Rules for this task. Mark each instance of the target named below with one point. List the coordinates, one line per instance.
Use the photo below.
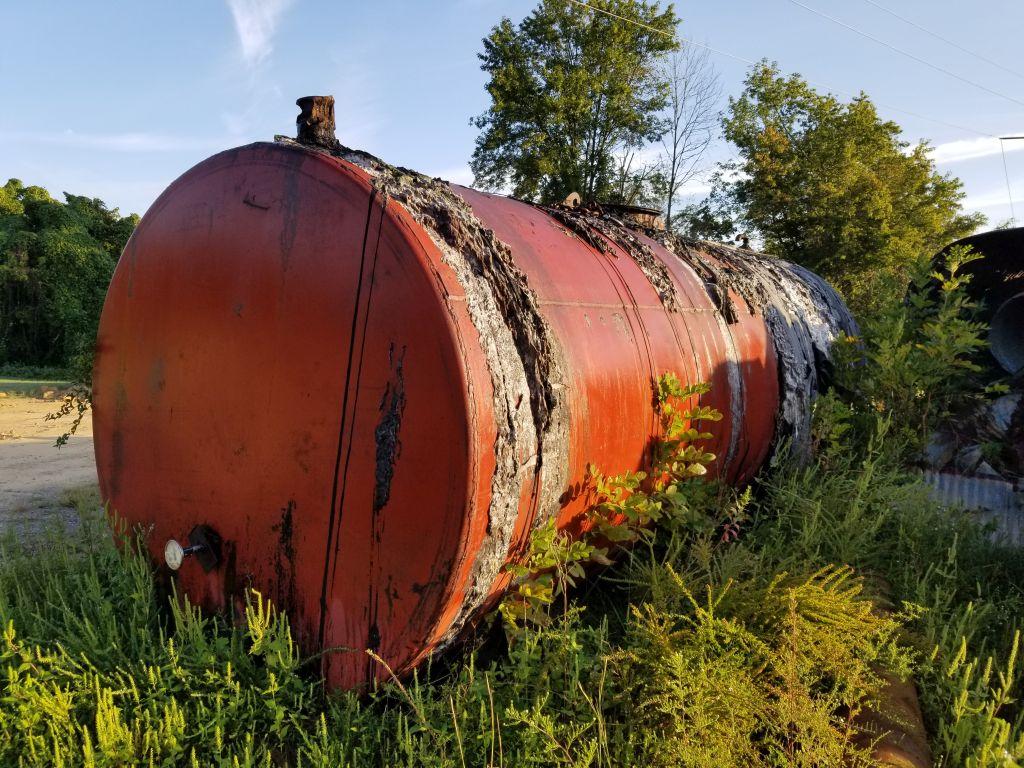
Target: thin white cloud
(996, 198)
(116, 142)
(458, 175)
(648, 155)
(256, 22)
(695, 188)
(702, 183)
(970, 149)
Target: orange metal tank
(362, 388)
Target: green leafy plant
(628, 507)
(553, 564)
(757, 672)
(632, 505)
(918, 359)
(699, 648)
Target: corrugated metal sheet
(992, 500)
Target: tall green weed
(743, 629)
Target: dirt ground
(39, 483)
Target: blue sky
(116, 99)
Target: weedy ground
(737, 629)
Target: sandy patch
(37, 480)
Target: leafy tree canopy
(570, 88)
(833, 187)
(56, 260)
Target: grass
(966, 588)
(83, 498)
(31, 387)
(756, 635)
(32, 381)
(692, 651)
(34, 372)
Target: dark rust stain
(131, 250)
(303, 452)
(284, 558)
(231, 587)
(157, 379)
(290, 212)
(250, 200)
(117, 447)
(392, 405)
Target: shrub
(918, 359)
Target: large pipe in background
(997, 280)
(1006, 334)
(358, 390)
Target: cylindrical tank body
(371, 386)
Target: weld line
(344, 414)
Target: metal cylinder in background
(997, 282)
(1006, 334)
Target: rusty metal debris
(637, 216)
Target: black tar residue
(392, 405)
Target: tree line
(582, 93)
(56, 260)
(601, 99)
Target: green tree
(56, 260)
(571, 90)
(708, 219)
(833, 187)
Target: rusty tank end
(357, 389)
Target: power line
(909, 55)
(1006, 171)
(820, 85)
(946, 40)
(634, 22)
(1013, 215)
(753, 63)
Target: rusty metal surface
(372, 385)
(638, 215)
(893, 727)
